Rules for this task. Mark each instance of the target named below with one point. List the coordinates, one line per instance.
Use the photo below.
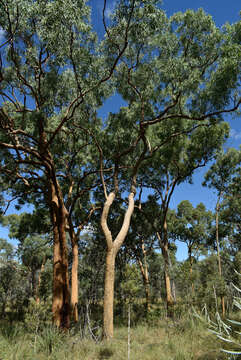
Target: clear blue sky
(222, 11)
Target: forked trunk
(112, 250)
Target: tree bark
(169, 298)
(218, 253)
(145, 276)
(190, 270)
(39, 282)
(108, 316)
(112, 250)
(33, 283)
(163, 242)
(74, 276)
(61, 294)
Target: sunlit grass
(185, 339)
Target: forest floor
(183, 339)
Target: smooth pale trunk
(112, 250)
(108, 315)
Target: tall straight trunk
(74, 275)
(163, 242)
(34, 284)
(169, 298)
(108, 320)
(190, 269)
(112, 250)
(218, 253)
(145, 276)
(61, 293)
(39, 281)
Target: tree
(219, 177)
(170, 91)
(49, 81)
(231, 211)
(180, 72)
(193, 227)
(171, 165)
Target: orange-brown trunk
(74, 280)
(61, 294)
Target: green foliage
(38, 315)
(14, 290)
(130, 284)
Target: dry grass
(180, 340)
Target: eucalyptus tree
(219, 177)
(193, 227)
(230, 214)
(52, 73)
(180, 72)
(170, 166)
(177, 77)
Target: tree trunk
(39, 282)
(218, 253)
(163, 242)
(108, 327)
(169, 298)
(61, 294)
(190, 270)
(112, 250)
(33, 283)
(74, 279)
(145, 277)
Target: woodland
(96, 236)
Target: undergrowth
(183, 339)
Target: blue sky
(222, 11)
